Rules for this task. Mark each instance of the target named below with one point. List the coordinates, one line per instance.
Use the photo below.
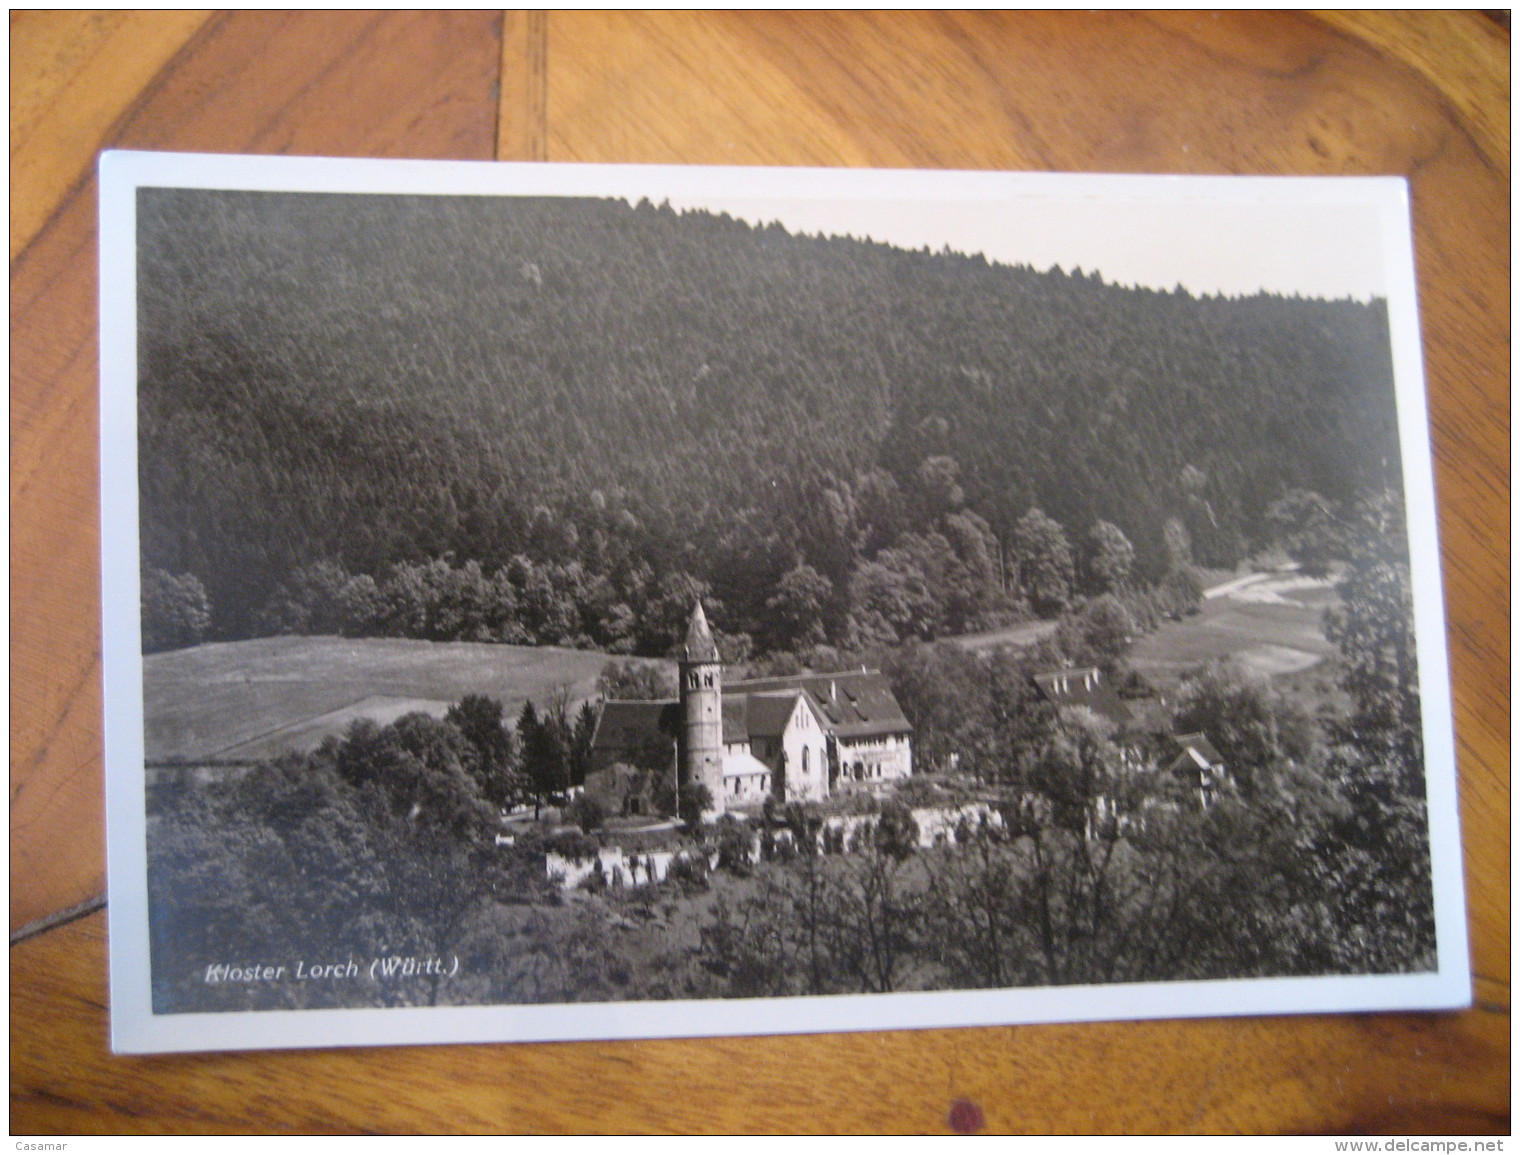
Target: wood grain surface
(1423, 95)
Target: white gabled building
(798, 738)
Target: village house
(794, 739)
(1083, 686)
(1197, 767)
(1191, 767)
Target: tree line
(953, 579)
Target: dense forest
(558, 420)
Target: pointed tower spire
(700, 646)
(700, 757)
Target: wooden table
(1425, 95)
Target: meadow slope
(239, 701)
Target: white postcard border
(134, 1026)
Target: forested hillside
(558, 420)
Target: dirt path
(1022, 634)
(1230, 587)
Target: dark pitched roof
(1083, 686)
(1198, 744)
(851, 704)
(700, 646)
(736, 723)
(855, 704)
(626, 725)
(768, 713)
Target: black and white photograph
(568, 602)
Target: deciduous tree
(1110, 558)
(798, 607)
(175, 610)
(1046, 568)
(479, 718)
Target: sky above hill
(1232, 247)
(1321, 237)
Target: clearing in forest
(241, 701)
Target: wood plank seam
(522, 87)
(501, 87)
(118, 126)
(537, 93)
(58, 918)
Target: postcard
(567, 602)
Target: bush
(662, 793)
(587, 813)
(695, 799)
(735, 845)
(636, 680)
(848, 805)
(896, 831)
(804, 821)
(917, 791)
(595, 882)
(572, 844)
(1133, 685)
(689, 872)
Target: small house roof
(1199, 748)
(1083, 686)
(624, 725)
(743, 765)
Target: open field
(1272, 627)
(1270, 623)
(236, 701)
(304, 733)
(246, 701)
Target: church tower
(701, 757)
